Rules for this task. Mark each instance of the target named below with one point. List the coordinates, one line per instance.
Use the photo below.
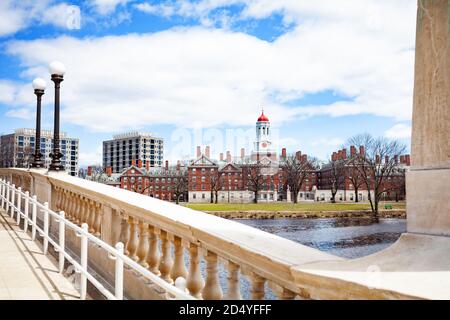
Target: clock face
(264, 145)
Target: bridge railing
(18, 203)
(172, 241)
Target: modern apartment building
(124, 148)
(17, 149)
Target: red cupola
(263, 118)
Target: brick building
(163, 183)
(352, 185)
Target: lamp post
(57, 70)
(39, 88)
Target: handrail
(9, 194)
(157, 235)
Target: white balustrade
(153, 244)
(11, 200)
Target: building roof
(263, 118)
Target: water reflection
(345, 237)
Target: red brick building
(163, 183)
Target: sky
(199, 72)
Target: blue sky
(198, 72)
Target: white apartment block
(17, 149)
(119, 152)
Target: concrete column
(428, 192)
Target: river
(344, 237)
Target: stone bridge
(157, 236)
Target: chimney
(386, 159)
(221, 156)
(283, 153)
(396, 159)
(408, 160)
(139, 163)
(402, 159)
(362, 151)
(352, 151)
(377, 159)
(208, 152)
(109, 171)
(298, 155)
(304, 158)
(344, 153)
(89, 173)
(167, 165)
(228, 156)
(242, 153)
(199, 152)
(147, 165)
(178, 165)
(133, 162)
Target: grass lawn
(282, 206)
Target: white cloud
(62, 15)
(21, 113)
(399, 131)
(327, 142)
(18, 15)
(91, 158)
(107, 6)
(197, 75)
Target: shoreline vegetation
(300, 210)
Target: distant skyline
(197, 70)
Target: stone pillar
(427, 183)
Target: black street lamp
(39, 88)
(57, 70)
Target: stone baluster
(257, 290)
(178, 269)
(212, 289)
(58, 198)
(69, 204)
(98, 220)
(194, 280)
(79, 213)
(72, 206)
(84, 210)
(64, 200)
(166, 259)
(234, 291)
(75, 206)
(133, 242)
(92, 208)
(124, 232)
(285, 294)
(142, 249)
(153, 255)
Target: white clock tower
(263, 145)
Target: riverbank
(394, 213)
(291, 207)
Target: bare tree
(376, 164)
(336, 177)
(216, 182)
(255, 178)
(296, 171)
(181, 186)
(354, 174)
(136, 185)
